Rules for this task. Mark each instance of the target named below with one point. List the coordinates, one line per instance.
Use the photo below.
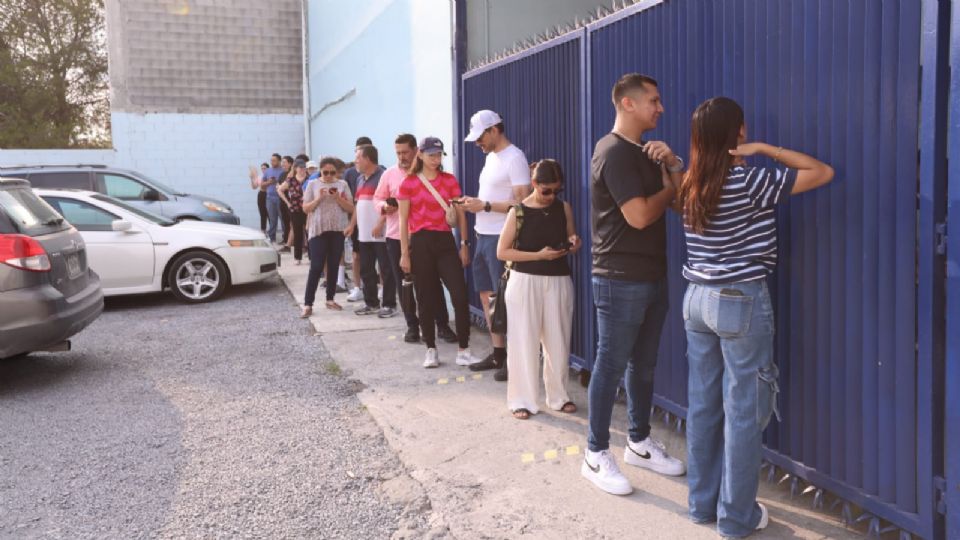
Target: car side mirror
(120, 225)
(151, 195)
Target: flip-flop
(569, 407)
(521, 414)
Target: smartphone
(333, 191)
(456, 201)
(391, 201)
(563, 246)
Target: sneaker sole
(587, 473)
(630, 459)
(394, 314)
(431, 366)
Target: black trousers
(371, 254)
(443, 318)
(285, 219)
(435, 262)
(298, 221)
(325, 251)
(262, 208)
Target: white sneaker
(764, 517)
(464, 358)
(355, 295)
(431, 360)
(601, 469)
(651, 454)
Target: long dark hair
(546, 171)
(714, 131)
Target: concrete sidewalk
(484, 474)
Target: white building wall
(378, 68)
(202, 154)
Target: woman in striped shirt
(728, 214)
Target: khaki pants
(539, 311)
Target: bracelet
(776, 157)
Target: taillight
(23, 252)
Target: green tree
(53, 74)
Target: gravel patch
(220, 420)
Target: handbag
(449, 212)
(498, 310)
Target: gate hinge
(940, 495)
(940, 238)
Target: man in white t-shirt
(504, 182)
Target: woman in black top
(539, 295)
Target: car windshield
(29, 213)
(161, 186)
(154, 218)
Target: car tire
(196, 277)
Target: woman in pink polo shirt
(429, 250)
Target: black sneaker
(446, 334)
(368, 310)
(487, 363)
(412, 335)
(501, 374)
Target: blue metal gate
(544, 82)
(860, 288)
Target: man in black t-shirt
(632, 183)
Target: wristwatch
(678, 168)
(464, 243)
(486, 206)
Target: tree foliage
(53, 74)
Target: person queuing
(287, 164)
(350, 175)
(373, 250)
(291, 192)
(731, 236)
(256, 182)
(328, 204)
(538, 235)
(269, 183)
(504, 181)
(388, 225)
(629, 195)
(428, 249)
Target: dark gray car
(47, 292)
(130, 186)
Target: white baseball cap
(312, 165)
(480, 122)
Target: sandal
(521, 414)
(334, 306)
(569, 407)
(307, 312)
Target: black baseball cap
(431, 145)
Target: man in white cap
(504, 182)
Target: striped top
(740, 240)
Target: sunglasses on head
(551, 191)
(328, 173)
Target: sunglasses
(329, 173)
(551, 191)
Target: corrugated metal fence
(841, 81)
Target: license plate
(73, 266)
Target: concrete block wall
(206, 154)
(202, 154)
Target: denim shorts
(487, 268)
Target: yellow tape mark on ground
(461, 379)
(443, 381)
(550, 454)
(573, 450)
(477, 376)
(391, 338)
(527, 458)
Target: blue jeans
(273, 216)
(732, 392)
(630, 316)
(486, 267)
(325, 251)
